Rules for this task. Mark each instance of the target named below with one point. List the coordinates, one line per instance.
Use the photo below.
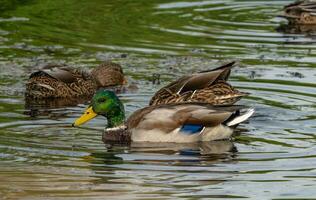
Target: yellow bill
(87, 115)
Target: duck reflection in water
(178, 153)
(212, 150)
(161, 160)
(50, 107)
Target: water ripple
(274, 151)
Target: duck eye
(102, 100)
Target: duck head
(107, 104)
(108, 74)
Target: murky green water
(43, 157)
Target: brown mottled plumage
(207, 86)
(307, 29)
(301, 12)
(56, 81)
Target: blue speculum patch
(191, 129)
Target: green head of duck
(107, 104)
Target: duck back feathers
(59, 82)
(56, 81)
(165, 123)
(206, 86)
(301, 12)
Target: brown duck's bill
(87, 115)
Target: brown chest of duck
(204, 87)
(55, 81)
(301, 12)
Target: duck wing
(308, 6)
(62, 73)
(294, 10)
(191, 83)
(56, 81)
(57, 72)
(206, 78)
(167, 118)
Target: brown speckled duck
(301, 12)
(204, 87)
(55, 81)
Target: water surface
(273, 156)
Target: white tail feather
(241, 118)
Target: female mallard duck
(179, 123)
(56, 81)
(301, 12)
(207, 86)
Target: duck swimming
(208, 87)
(301, 12)
(178, 123)
(55, 81)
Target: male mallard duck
(179, 123)
(301, 12)
(207, 86)
(56, 81)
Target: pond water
(273, 156)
